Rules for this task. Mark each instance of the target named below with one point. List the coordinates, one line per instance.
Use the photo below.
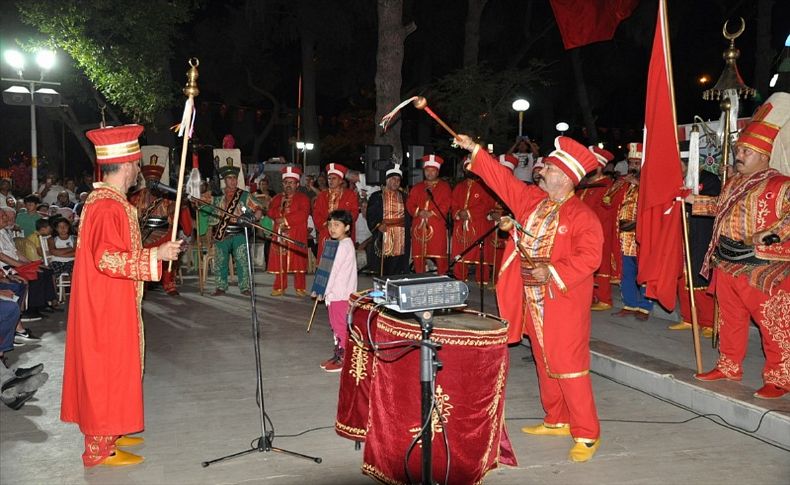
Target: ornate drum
(354, 394)
(154, 230)
(470, 396)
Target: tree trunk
(472, 31)
(389, 61)
(68, 117)
(584, 100)
(309, 116)
(763, 52)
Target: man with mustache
(749, 255)
(546, 284)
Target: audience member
(26, 219)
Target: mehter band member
(428, 205)
(749, 256)
(290, 211)
(103, 371)
(546, 284)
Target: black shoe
(20, 400)
(23, 372)
(26, 336)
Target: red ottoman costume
(332, 199)
(429, 234)
(473, 200)
(555, 315)
(152, 205)
(285, 257)
(103, 370)
(751, 280)
(593, 197)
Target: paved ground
(200, 404)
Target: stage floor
(200, 404)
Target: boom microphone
(157, 185)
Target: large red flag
(588, 21)
(658, 228)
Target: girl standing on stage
(342, 282)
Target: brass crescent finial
(191, 88)
(732, 36)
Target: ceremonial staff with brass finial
(728, 89)
(185, 130)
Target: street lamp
(24, 96)
(305, 147)
(520, 105)
(562, 127)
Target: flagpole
(690, 287)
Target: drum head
(467, 320)
(156, 222)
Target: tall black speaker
(377, 157)
(414, 154)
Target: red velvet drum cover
(470, 396)
(357, 374)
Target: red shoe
(642, 316)
(334, 366)
(714, 375)
(770, 391)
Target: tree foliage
(123, 46)
(478, 99)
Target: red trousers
(281, 281)
(737, 302)
(565, 401)
(169, 277)
(97, 449)
(441, 264)
(703, 301)
(602, 291)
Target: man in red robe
(157, 214)
(597, 185)
(428, 205)
(749, 257)
(469, 208)
(337, 197)
(546, 284)
(103, 371)
(290, 211)
(495, 245)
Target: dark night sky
(615, 70)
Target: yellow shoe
(707, 332)
(278, 292)
(301, 293)
(680, 326)
(580, 452)
(544, 429)
(122, 458)
(600, 306)
(128, 441)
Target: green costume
(229, 237)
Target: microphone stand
(264, 443)
(445, 219)
(480, 242)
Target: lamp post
(562, 127)
(304, 147)
(24, 96)
(520, 105)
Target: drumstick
(312, 315)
